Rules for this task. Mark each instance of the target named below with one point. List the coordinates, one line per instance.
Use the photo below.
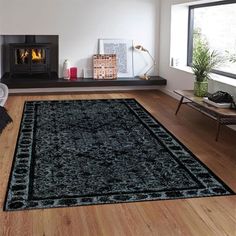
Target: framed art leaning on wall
(124, 52)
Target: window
(215, 24)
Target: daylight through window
(215, 25)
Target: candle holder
(73, 73)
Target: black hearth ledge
(44, 81)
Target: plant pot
(200, 88)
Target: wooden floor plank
(200, 216)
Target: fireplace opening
(38, 56)
(29, 56)
(22, 56)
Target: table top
(189, 95)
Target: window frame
(190, 33)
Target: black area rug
(86, 152)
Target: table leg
(218, 129)
(180, 103)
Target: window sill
(224, 79)
(183, 68)
(215, 77)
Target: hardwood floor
(200, 216)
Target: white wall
(176, 79)
(80, 23)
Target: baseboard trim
(80, 89)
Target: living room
(133, 154)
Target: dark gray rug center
(101, 151)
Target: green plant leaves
(204, 60)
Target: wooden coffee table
(223, 116)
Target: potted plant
(204, 60)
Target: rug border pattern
(17, 199)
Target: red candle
(73, 73)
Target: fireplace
(29, 57)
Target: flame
(36, 55)
(24, 55)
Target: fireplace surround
(29, 57)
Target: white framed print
(124, 52)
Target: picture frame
(123, 49)
(104, 66)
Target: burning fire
(24, 55)
(36, 55)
